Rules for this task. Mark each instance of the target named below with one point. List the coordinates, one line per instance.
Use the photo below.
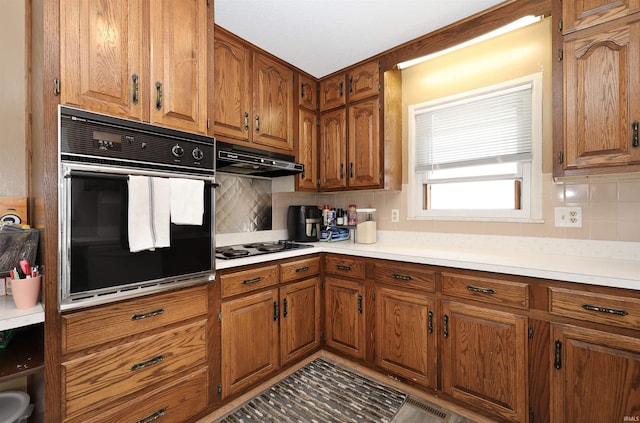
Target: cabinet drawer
(299, 269)
(103, 324)
(406, 275)
(176, 402)
(495, 291)
(351, 267)
(96, 379)
(598, 308)
(248, 280)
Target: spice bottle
(352, 215)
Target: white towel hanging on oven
(148, 213)
(187, 201)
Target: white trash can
(14, 407)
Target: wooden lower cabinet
(345, 316)
(595, 376)
(405, 335)
(484, 358)
(249, 340)
(300, 323)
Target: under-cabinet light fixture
(520, 23)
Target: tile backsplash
(610, 211)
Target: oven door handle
(124, 176)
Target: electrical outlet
(568, 217)
(395, 215)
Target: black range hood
(244, 160)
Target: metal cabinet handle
(155, 360)
(343, 267)
(401, 277)
(341, 170)
(351, 169)
(276, 311)
(481, 290)
(445, 332)
(152, 417)
(616, 311)
(285, 309)
(302, 269)
(430, 322)
(246, 121)
(146, 315)
(302, 90)
(257, 123)
(135, 89)
(557, 356)
(360, 304)
(341, 89)
(252, 280)
(158, 95)
(634, 142)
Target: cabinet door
(272, 103)
(583, 14)
(602, 86)
(249, 340)
(595, 376)
(178, 73)
(300, 324)
(232, 90)
(332, 92)
(484, 358)
(308, 96)
(365, 152)
(101, 57)
(364, 81)
(405, 338)
(345, 318)
(308, 150)
(333, 149)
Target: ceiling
(324, 36)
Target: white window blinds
(493, 127)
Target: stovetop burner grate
(257, 248)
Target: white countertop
(11, 317)
(612, 264)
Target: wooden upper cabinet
(137, 59)
(333, 92)
(365, 153)
(272, 103)
(333, 149)
(586, 13)
(102, 57)
(308, 94)
(232, 91)
(307, 150)
(179, 64)
(602, 103)
(364, 81)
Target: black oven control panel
(95, 138)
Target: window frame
(531, 199)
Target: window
(477, 155)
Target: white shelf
(11, 317)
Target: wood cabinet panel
(333, 149)
(595, 376)
(299, 269)
(365, 153)
(345, 266)
(249, 332)
(364, 81)
(96, 379)
(405, 335)
(406, 275)
(300, 322)
(484, 359)
(308, 97)
(586, 13)
(92, 327)
(244, 281)
(495, 291)
(307, 150)
(345, 318)
(333, 92)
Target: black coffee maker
(303, 223)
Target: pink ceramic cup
(25, 292)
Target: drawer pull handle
(430, 322)
(557, 355)
(149, 314)
(150, 362)
(617, 312)
(343, 267)
(152, 417)
(276, 311)
(481, 290)
(445, 332)
(359, 304)
(402, 277)
(302, 269)
(285, 310)
(253, 280)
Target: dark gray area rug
(321, 392)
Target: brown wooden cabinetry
(332, 92)
(300, 324)
(308, 94)
(365, 152)
(149, 64)
(254, 101)
(152, 347)
(333, 149)
(307, 153)
(584, 14)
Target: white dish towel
(187, 201)
(148, 213)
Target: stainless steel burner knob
(197, 153)
(177, 151)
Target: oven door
(95, 262)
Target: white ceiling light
(520, 23)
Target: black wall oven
(98, 156)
